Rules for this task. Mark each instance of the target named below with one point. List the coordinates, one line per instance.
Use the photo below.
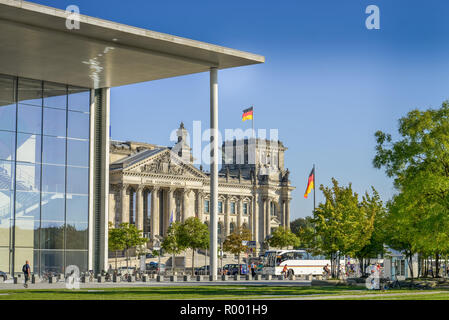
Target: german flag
(247, 114)
(310, 183)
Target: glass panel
(53, 207)
(77, 208)
(79, 99)
(30, 119)
(6, 209)
(29, 147)
(52, 261)
(53, 179)
(77, 180)
(30, 92)
(52, 235)
(55, 95)
(7, 90)
(28, 177)
(76, 236)
(7, 116)
(27, 205)
(77, 258)
(6, 175)
(26, 231)
(4, 259)
(78, 153)
(7, 145)
(78, 125)
(21, 255)
(54, 122)
(53, 151)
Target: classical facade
(151, 185)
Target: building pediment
(165, 162)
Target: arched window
(232, 227)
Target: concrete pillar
(213, 169)
(185, 205)
(154, 212)
(124, 204)
(139, 208)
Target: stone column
(255, 218)
(185, 199)
(267, 217)
(287, 210)
(240, 213)
(170, 208)
(124, 205)
(139, 208)
(227, 211)
(200, 195)
(154, 212)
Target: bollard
(52, 279)
(84, 279)
(186, 278)
(131, 278)
(34, 278)
(101, 279)
(281, 277)
(159, 278)
(247, 277)
(224, 277)
(116, 278)
(145, 278)
(198, 278)
(318, 277)
(257, 277)
(16, 280)
(2, 280)
(236, 277)
(268, 277)
(211, 278)
(173, 278)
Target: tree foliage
(282, 238)
(194, 234)
(234, 242)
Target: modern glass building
(44, 175)
(54, 126)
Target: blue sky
(328, 82)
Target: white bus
(298, 262)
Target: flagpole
(314, 187)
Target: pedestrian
(284, 271)
(26, 272)
(253, 269)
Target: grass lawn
(207, 292)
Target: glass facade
(44, 175)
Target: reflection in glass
(76, 236)
(7, 145)
(53, 151)
(78, 153)
(21, 255)
(78, 126)
(53, 179)
(79, 99)
(52, 235)
(77, 258)
(52, 261)
(7, 116)
(27, 204)
(6, 207)
(55, 95)
(6, 175)
(54, 122)
(77, 208)
(7, 90)
(29, 148)
(28, 177)
(4, 257)
(30, 92)
(53, 207)
(29, 119)
(77, 180)
(25, 233)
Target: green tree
(132, 238)
(194, 234)
(116, 240)
(419, 163)
(283, 237)
(234, 242)
(172, 243)
(341, 225)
